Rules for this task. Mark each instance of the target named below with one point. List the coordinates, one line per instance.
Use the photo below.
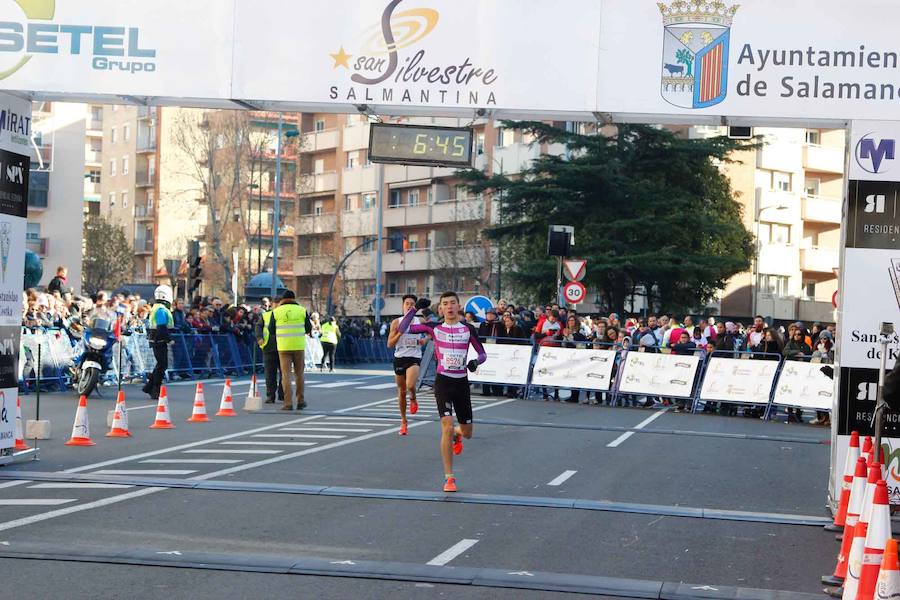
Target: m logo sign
(875, 155)
(875, 203)
(868, 391)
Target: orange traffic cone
(163, 420)
(253, 384)
(878, 534)
(858, 545)
(840, 517)
(120, 418)
(854, 507)
(20, 437)
(199, 413)
(867, 446)
(81, 430)
(226, 406)
(888, 584)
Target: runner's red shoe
(413, 407)
(450, 484)
(457, 444)
(402, 428)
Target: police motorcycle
(97, 359)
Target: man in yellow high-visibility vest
(291, 323)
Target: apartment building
(93, 159)
(56, 195)
(128, 180)
(791, 190)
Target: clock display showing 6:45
(418, 144)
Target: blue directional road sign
(479, 305)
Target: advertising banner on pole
(804, 385)
(574, 368)
(667, 375)
(737, 380)
(506, 364)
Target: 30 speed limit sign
(574, 292)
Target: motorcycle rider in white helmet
(161, 321)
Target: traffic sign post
(574, 292)
(574, 269)
(479, 305)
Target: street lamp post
(254, 186)
(277, 215)
(759, 212)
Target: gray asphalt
(649, 468)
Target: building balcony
(143, 246)
(449, 258)
(146, 112)
(285, 236)
(93, 158)
(288, 153)
(91, 189)
(305, 266)
(317, 224)
(144, 178)
(825, 159)
(811, 311)
(146, 144)
(819, 260)
(516, 158)
(778, 259)
(358, 180)
(358, 223)
(822, 210)
(94, 128)
(37, 245)
(143, 213)
(456, 210)
(405, 216)
(317, 141)
(318, 183)
(359, 266)
(269, 193)
(356, 137)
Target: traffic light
(195, 271)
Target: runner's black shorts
(402, 363)
(452, 394)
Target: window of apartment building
(774, 233)
(460, 238)
(319, 166)
(352, 120)
(368, 289)
(96, 113)
(151, 195)
(318, 208)
(392, 288)
(112, 167)
(115, 108)
(368, 201)
(349, 203)
(352, 158)
(394, 200)
(413, 198)
(781, 182)
(112, 135)
(813, 136)
(151, 166)
(94, 176)
(811, 187)
(112, 200)
(320, 125)
(38, 189)
(315, 247)
(411, 285)
(479, 144)
(413, 240)
(366, 160)
(504, 137)
(124, 199)
(32, 231)
(124, 165)
(96, 145)
(809, 290)
(774, 285)
(126, 132)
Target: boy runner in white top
(407, 358)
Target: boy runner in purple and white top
(452, 339)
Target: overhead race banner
(804, 385)
(505, 364)
(805, 59)
(574, 368)
(738, 380)
(667, 375)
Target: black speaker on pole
(559, 241)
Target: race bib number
(410, 342)
(453, 362)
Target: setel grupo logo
(28, 28)
(389, 64)
(875, 155)
(696, 37)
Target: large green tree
(108, 258)
(652, 211)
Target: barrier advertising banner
(737, 380)
(667, 375)
(505, 364)
(574, 368)
(804, 385)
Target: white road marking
(198, 461)
(14, 483)
(265, 443)
(379, 386)
(142, 407)
(36, 501)
(329, 429)
(79, 486)
(336, 384)
(562, 478)
(450, 553)
(211, 451)
(380, 423)
(236, 469)
(299, 435)
(144, 472)
(618, 441)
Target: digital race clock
(421, 145)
